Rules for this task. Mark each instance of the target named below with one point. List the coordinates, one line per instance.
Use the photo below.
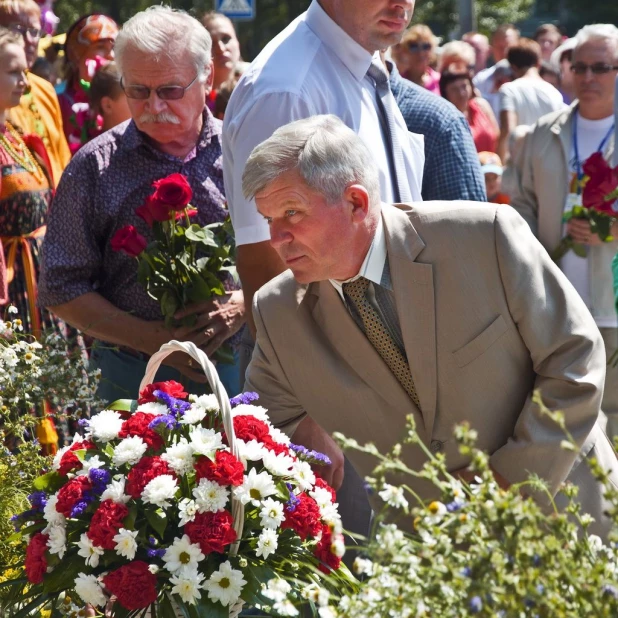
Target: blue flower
(476, 604)
(536, 560)
(173, 405)
(83, 422)
(80, 507)
(466, 572)
(245, 398)
(451, 507)
(610, 591)
(293, 502)
(168, 420)
(38, 500)
(100, 479)
(312, 457)
(156, 553)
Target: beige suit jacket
(486, 318)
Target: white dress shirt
(312, 67)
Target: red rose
(212, 531)
(74, 491)
(70, 461)
(172, 388)
(147, 469)
(305, 518)
(602, 180)
(137, 425)
(173, 191)
(36, 562)
(320, 482)
(129, 240)
(152, 210)
(190, 212)
(133, 585)
(106, 522)
(324, 551)
(225, 470)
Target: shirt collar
(373, 264)
(355, 57)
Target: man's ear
(210, 68)
(358, 198)
(107, 105)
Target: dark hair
(43, 68)
(547, 29)
(525, 54)
(223, 97)
(503, 29)
(452, 74)
(105, 83)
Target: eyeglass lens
(165, 93)
(419, 46)
(35, 33)
(598, 69)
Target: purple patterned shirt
(98, 193)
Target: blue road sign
(237, 9)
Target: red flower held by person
(133, 584)
(137, 425)
(129, 240)
(146, 469)
(152, 210)
(70, 462)
(106, 522)
(249, 428)
(171, 387)
(36, 562)
(225, 470)
(173, 191)
(324, 551)
(211, 531)
(71, 493)
(305, 518)
(602, 181)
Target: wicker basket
(238, 510)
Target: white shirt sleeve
(507, 99)
(242, 132)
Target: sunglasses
(165, 93)
(35, 33)
(599, 68)
(416, 47)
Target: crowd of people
(505, 120)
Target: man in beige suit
(448, 311)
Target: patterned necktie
(385, 101)
(379, 337)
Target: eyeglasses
(416, 47)
(35, 33)
(599, 68)
(165, 93)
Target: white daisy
(105, 426)
(225, 585)
(278, 436)
(250, 451)
(130, 451)
(180, 457)
(304, 476)
(89, 590)
(205, 441)
(246, 409)
(267, 543)
(393, 496)
(160, 491)
(88, 550)
(255, 488)
(115, 491)
(182, 554)
(57, 542)
(153, 407)
(210, 497)
(186, 584)
(187, 509)
(50, 513)
(126, 544)
(278, 464)
(271, 513)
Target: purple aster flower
(466, 572)
(312, 457)
(299, 449)
(83, 422)
(293, 502)
(38, 500)
(156, 553)
(169, 420)
(173, 405)
(80, 507)
(451, 507)
(153, 541)
(476, 604)
(100, 479)
(245, 398)
(610, 591)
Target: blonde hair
(419, 32)
(457, 52)
(16, 8)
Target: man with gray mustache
(166, 80)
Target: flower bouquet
(598, 200)
(181, 504)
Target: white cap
(568, 45)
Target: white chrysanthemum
(277, 589)
(193, 416)
(278, 464)
(106, 425)
(267, 543)
(322, 496)
(362, 566)
(182, 554)
(180, 457)
(285, 608)
(205, 441)
(330, 515)
(88, 550)
(210, 497)
(246, 409)
(115, 491)
(250, 451)
(130, 451)
(225, 585)
(303, 474)
(271, 514)
(126, 545)
(186, 584)
(208, 403)
(317, 594)
(255, 487)
(187, 510)
(393, 496)
(51, 514)
(160, 491)
(278, 436)
(57, 541)
(91, 463)
(153, 407)
(58, 458)
(89, 590)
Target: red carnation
(225, 470)
(152, 210)
(133, 585)
(249, 428)
(172, 388)
(305, 518)
(212, 531)
(276, 447)
(129, 240)
(70, 461)
(74, 491)
(320, 482)
(173, 191)
(36, 562)
(137, 425)
(324, 551)
(147, 469)
(106, 522)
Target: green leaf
(123, 405)
(26, 611)
(62, 578)
(157, 519)
(169, 304)
(205, 607)
(201, 235)
(166, 610)
(199, 290)
(579, 250)
(50, 482)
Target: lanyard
(578, 163)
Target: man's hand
(310, 435)
(579, 230)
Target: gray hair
(326, 153)
(165, 32)
(597, 32)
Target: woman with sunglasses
(414, 56)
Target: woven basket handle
(238, 510)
